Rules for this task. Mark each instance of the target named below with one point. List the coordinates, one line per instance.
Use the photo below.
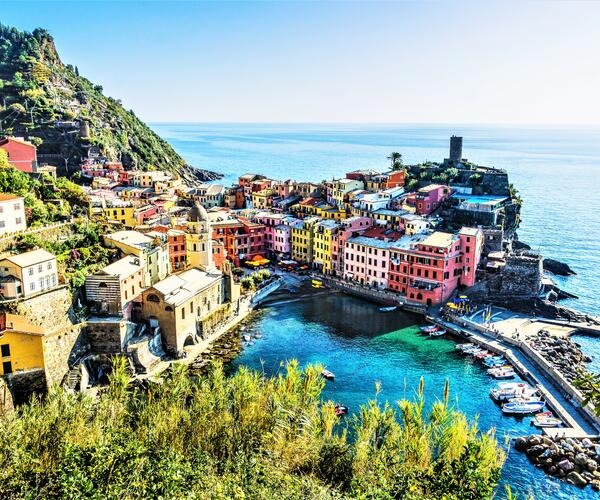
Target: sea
(557, 173)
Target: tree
(4, 159)
(395, 160)
(14, 181)
(589, 385)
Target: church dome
(197, 214)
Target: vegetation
(255, 279)
(243, 436)
(65, 114)
(46, 201)
(79, 254)
(589, 385)
(396, 161)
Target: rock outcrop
(576, 461)
(557, 267)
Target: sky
(357, 62)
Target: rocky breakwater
(562, 353)
(576, 461)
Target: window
(31, 271)
(18, 220)
(7, 367)
(182, 313)
(40, 268)
(49, 265)
(2, 223)
(5, 350)
(32, 286)
(153, 298)
(17, 206)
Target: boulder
(576, 479)
(581, 459)
(566, 465)
(591, 465)
(595, 485)
(558, 268)
(520, 444)
(536, 450)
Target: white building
(12, 214)
(27, 274)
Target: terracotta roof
(8, 197)
(31, 258)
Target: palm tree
(395, 160)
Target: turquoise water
(362, 346)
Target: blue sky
(399, 62)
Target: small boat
(341, 410)
(501, 373)
(547, 422)
(429, 328)
(523, 408)
(508, 390)
(525, 399)
(494, 362)
(437, 333)
(462, 347)
(388, 309)
(246, 338)
(327, 375)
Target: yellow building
(333, 214)
(262, 199)
(302, 239)
(21, 345)
(124, 214)
(323, 243)
(342, 187)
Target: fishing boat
(429, 328)
(507, 390)
(388, 309)
(494, 361)
(341, 410)
(482, 354)
(437, 333)
(525, 399)
(547, 422)
(462, 347)
(523, 408)
(327, 375)
(502, 374)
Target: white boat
(462, 347)
(547, 422)
(388, 309)
(246, 338)
(525, 399)
(326, 374)
(508, 390)
(429, 328)
(502, 373)
(523, 408)
(437, 333)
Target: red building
(429, 198)
(240, 238)
(21, 154)
(395, 178)
(428, 268)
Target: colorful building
(241, 238)
(340, 188)
(324, 232)
(429, 198)
(12, 214)
(27, 274)
(302, 239)
(21, 154)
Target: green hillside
(67, 116)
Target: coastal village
(188, 261)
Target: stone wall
(51, 233)
(107, 337)
(25, 384)
(52, 310)
(62, 349)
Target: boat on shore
(526, 408)
(327, 375)
(388, 309)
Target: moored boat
(546, 419)
(502, 373)
(429, 328)
(327, 375)
(526, 408)
(341, 410)
(437, 333)
(388, 309)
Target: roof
(8, 197)
(439, 239)
(132, 238)
(179, 288)
(469, 231)
(20, 140)
(373, 242)
(31, 258)
(431, 187)
(215, 189)
(20, 324)
(124, 267)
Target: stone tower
(199, 239)
(455, 149)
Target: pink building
(353, 226)
(429, 198)
(427, 268)
(367, 257)
(282, 247)
(276, 236)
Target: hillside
(67, 116)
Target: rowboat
(508, 390)
(326, 374)
(546, 422)
(523, 408)
(493, 361)
(387, 309)
(341, 410)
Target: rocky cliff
(67, 116)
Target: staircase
(73, 378)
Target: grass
(243, 436)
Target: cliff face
(67, 116)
